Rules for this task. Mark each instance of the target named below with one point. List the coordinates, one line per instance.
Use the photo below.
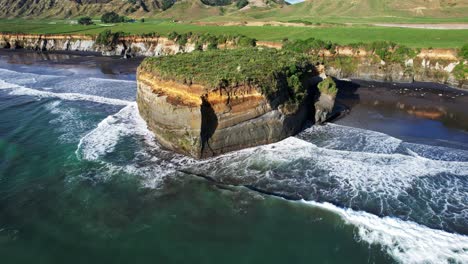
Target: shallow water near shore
(83, 181)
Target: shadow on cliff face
(208, 126)
(346, 99)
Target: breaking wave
(398, 193)
(147, 160)
(105, 136)
(21, 90)
(393, 181)
(72, 83)
(406, 242)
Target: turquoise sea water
(82, 181)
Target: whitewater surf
(99, 170)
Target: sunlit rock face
(203, 104)
(201, 123)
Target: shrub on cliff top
(310, 46)
(461, 72)
(328, 86)
(212, 41)
(464, 52)
(108, 38)
(271, 70)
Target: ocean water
(83, 181)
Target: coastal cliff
(442, 66)
(118, 44)
(221, 101)
(429, 65)
(126, 46)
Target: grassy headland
(271, 70)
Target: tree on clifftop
(85, 21)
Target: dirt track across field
(425, 26)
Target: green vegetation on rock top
(271, 70)
(328, 86)
(464, 52)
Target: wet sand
(416, 112)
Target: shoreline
(354, 91)
(136, 60)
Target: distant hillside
(201, 9)
(178, 9)
(70, 8)
(372, 8)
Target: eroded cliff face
(203, 122)
(125, 46)
(430, 65)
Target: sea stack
(203, 104)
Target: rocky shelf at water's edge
(204, 104)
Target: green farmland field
(340, 34)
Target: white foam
(21, 90)
(405, 241)
(150, 163)
(356, 171)
(106, 135)
(334, 136)
(68, 122)
(432, 192)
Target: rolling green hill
(340, 21)
(368, 10)
(372, 8)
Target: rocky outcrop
(426, 67)
(203, 121)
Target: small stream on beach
(83, 181)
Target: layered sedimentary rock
(202, 120)
(128, 46)
(429, 65)
(203, 123)
(125, 46)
